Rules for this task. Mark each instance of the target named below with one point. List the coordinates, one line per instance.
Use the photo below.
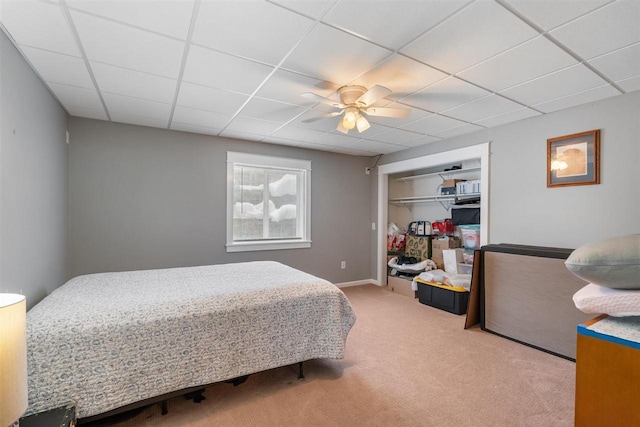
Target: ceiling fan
(355, 103)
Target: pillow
(613, 262)
(614, 302)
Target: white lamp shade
(13, 358)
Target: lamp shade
(13, 358)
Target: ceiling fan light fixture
(362, 123)
(341, 128)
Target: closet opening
(412, 190)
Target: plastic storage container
(470, 236)
(453, 299)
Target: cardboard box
(401, 285)
(419, 247)
(439, 261)
(451, 243)
(451, 182)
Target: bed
(105, 341)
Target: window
(268, 202)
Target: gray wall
(33, 181)
(142, 198)
(523, 210)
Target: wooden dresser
(608, 373)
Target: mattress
(111, 339)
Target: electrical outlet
(343, 265)
(373, 226)
(367, 171)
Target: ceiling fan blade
(387, 112)
(324, 116)
(372, 95)
(322, 99)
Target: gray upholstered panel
(529, 298)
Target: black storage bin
(445, 299)
(465, 214)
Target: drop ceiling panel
(474, 34)
(335, 139)
(444, 95)
(88, 113)
(192, 116)
(310, 8)
(483, 108)
(374, 146)
(416, 114)
(621, 64)
(401, 75)
(333, 55)
(396, 136)
(468, 128)
(123, 46)
(565, 82)
(254, 126)
(241, 135)
(550, 14)
(527, 61)
(59, 68)
(427, 139)
(138, 120)
(281, 141)
(210, 99)
(38, 24)
(219, 70)
(165, 17)
(286, 86)
(630, 85)
(297, 134)
(239, 28)
(577, 99)
(127, 105)
(433, 125)
(76, 96)
(379, 22)
(133, 83)
(314, 146)
(604, 30)
(274, 111)
(185, 127)
(513, 116)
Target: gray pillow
(614, 262)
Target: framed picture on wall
(574, 159)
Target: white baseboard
(357, 283)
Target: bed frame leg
(164, 410)
(301, 373)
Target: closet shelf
(423, 199)
(441, 174)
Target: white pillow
(613, 262)
(602, 300)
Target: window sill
(267, 246)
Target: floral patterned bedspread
(107, 340)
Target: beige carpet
(406, 364)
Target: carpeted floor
(406, 364)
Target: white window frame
(304, 202)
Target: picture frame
(574, 159)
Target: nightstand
(65, 416)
